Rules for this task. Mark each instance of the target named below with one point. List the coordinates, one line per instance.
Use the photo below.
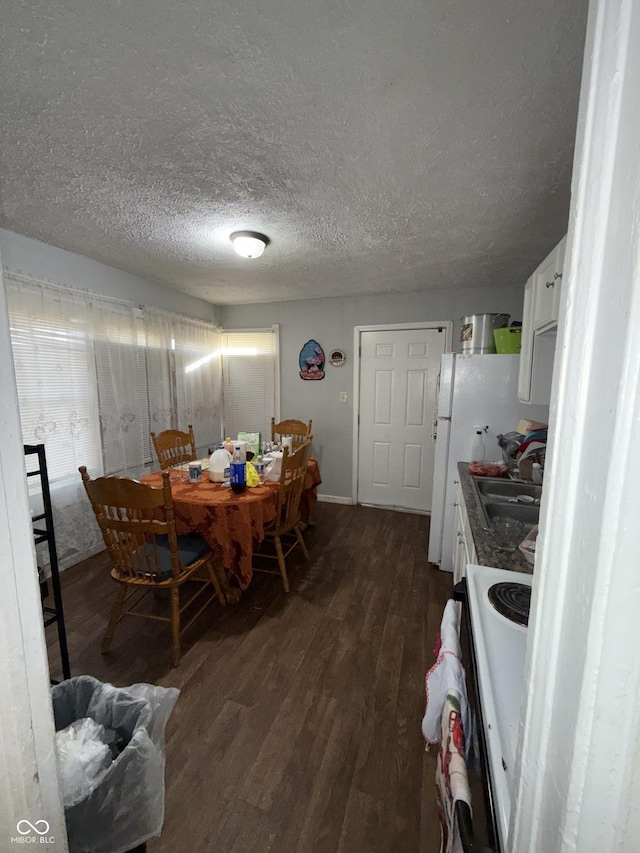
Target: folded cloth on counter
(445, 675)
(452, 783)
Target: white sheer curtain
(183, 367)
(157, 334)
(198, 380)
(122, 387)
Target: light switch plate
(343, 396)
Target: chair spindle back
(174, 447)
(298, 430)
(294, 470)
(130, 516)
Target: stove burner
(512, 600)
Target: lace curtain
(52, 336)
(94, 377)
(122, 388)
(185, 384)
(157, 333)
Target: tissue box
(251, 441)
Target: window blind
(250, 376)
(55, 379)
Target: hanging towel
(446, 674)
(452, 783)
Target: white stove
(500, 650)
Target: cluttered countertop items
(524, 450)
(488, 550)
(523, 453)
(503, 513)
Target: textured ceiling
(382, 146)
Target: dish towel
(452, 783)
(446, 674)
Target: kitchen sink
(499, 499)
(525, 513)
(498, 490)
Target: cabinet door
(546, 282)
(557, 288)
(460, 545)
(460, 558)
(526, 345)
(547, 287)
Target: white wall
(578, 789)
(33, 258)
(28, 775)
(331, 322)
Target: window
(250, 371)
(55, 378)
(94, 376)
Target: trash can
(111, 757)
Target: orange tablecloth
(232, 525)
(309, 496)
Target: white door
(398, 374)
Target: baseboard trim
(398, 509)
(335, 499)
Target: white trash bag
(110, 746)
(83, 757)
(273, 466)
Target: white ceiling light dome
(249, 244)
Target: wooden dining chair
(285, 531)
(298, 430)
(138, 526)
(173, 447)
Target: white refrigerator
(475, 391)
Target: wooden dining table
(232, 524)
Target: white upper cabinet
(547, 281)
(526, 344)
(539, 322)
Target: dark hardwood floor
(298, 724)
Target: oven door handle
(460, 591)
(465, 827)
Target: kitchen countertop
(487, 552)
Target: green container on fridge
(508, 340)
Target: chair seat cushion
(191, 547)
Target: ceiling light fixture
(249, 244)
